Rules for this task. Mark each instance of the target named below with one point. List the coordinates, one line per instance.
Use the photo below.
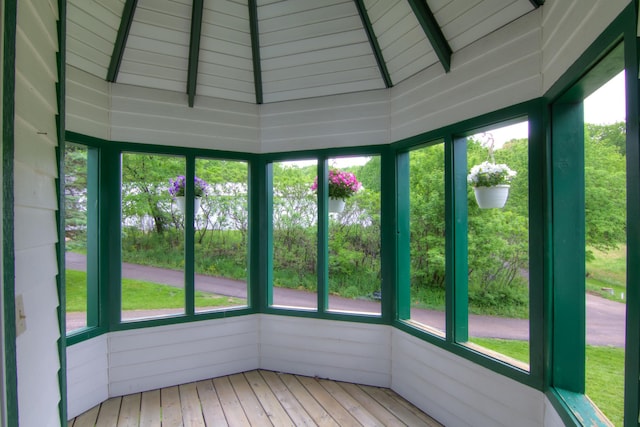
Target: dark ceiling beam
(121, 39)
(537, 3)
(373, 41)
(194, 49)
(433, 32)
(255, 49)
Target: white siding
(35, 208)
(458, 392)
(88, 104)
(497, 71)
(151, 358)
(335, 121)
(354, 352)
(87, 375)
(569, 27)
(309, 50)
(162, 117)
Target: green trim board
(126, 20)
(60, 150)
(255, 49)
(194, 49)
(373, 41)
(8, 251)
(433, 32)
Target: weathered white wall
(35, 209)
(145, 359)
(569, 27)
(355, 352)
(161, 117)
(88, 104)
(87, 375)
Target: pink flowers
(342, 185)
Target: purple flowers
(177, 186)
(342, 185)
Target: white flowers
(490, 174)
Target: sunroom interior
(260, 89)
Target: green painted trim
(632, 337)
(433, 32)
(581, 410)
(8, 250)
(121, 39)
(194, 49)
(255, 49)
(568, 240)
(328, 315)
(322, 289)
(179, 319)
(457, 240)
(110, 237)
(540, 243)
(93, 237)
(262, 232)
(60, 214)
(189, 238)
(394, 234)
(373, 41)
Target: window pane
(354, 234)
(295, 229)
(606, 251)
(427, 237)
(498, 243)
(76, 225)
(152, 237)
(221, 226)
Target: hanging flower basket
(342, 185)
(490, 183)
(182, 205)
(336, 205)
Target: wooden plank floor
(257, 398)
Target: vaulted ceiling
(264, 51)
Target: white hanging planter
(181, 204)
(336, 205)
(492, 197)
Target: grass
(141, 295)
(608, 270)
(604, 372)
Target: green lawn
(604, 372)
(140, 295)
(608, 270)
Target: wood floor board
(257, 398)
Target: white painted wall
(87, 375)
(354, 352)
(145, 359)
(35, 209)
(569, 27)
(88, 104)
(162, 117)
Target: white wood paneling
(92, 27)
(500, 70)
(296, 36)
(226, 61)
(334, 121)
(159, 27)
(87, 375)
(569, 27)
(88, 104)
(551, 416)
(35, 231)
(458, 392)
(163, 117)
(151, 358)
(354, 352)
